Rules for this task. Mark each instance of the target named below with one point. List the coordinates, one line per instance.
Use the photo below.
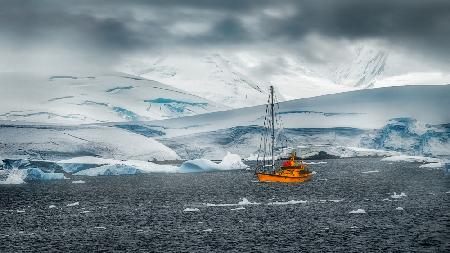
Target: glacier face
(411, 137)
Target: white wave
(191, 210)
(398, 196)
(21, 211)
(399, 208)
(99, 227)
(207, 230)
(238, 208)
(78, 182)
(51, 206)
(290, 202)
(358, 211)
(15, 176)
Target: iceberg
(229, 162)
(36, 174)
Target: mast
(273, 124)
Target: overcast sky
(99, 34)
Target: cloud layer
(98, 33)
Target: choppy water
(146, 212)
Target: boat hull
(264, 177)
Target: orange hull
(264, 177)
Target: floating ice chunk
(73, 204)
(51, 206)
(398, 196)
(358, 211)
(78, 182)
(290, 202)
(199, 165)
(237, 208)
(191, 210)
(335, 200)
(243, 202)
(232, 162)
(370, 171)
(399, 208)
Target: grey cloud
(106, 30)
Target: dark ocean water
(146, 212)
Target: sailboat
(270, 169)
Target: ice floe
(243, 202)
(406, 158)
(191, 209)
(370, 171)
(73, 204)
(290, 202)
(358, 211)
(321, 162)
(335, 200)
(398, 196)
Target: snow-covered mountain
(94, 98)
(366, 66)
(211, 76)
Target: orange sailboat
(267, 170)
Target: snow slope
(78, 99)
(47, 142)
(409, 119)
(362, 109)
